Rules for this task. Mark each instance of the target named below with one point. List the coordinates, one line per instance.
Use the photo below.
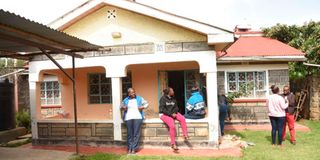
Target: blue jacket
(195, 104)
(126, 101)
(195, 98)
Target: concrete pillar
(213, 111)
(33, 109)
(116, 101)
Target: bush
(23, 119)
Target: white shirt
(276, 105)
(133, 111)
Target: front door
(176, 81)
(181, 82)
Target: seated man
(195, 105)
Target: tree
(305, 38)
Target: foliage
(8, 62)
(305, 38)
(23, 119)
(244, 90)
(306, 148)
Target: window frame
(100, 95)
(46, 90)
(266, 83)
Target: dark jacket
(168, 105)
(292, 103)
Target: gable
(97, 28)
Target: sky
(222, 13)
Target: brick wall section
(279, 78)
(160, 132)
(86, 131)
(220, 81)
(249, 112)
(23, 92)
(314, 97)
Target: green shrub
(23, 119)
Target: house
(148, 49)
(252, 64)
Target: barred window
(50, 93)
(252, 83)
(100, 91)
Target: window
(252, 83)
(99, 89)
(50, 93)
(126, 83)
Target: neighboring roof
(260, 46)
(18, 34)
(257, 48)
(93, 5)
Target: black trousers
(277, 126)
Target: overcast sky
(222, 13)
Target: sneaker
(133, 152)
(129, 151)
(293, 142)
(174, 147)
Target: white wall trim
(251, 67)
(116, 65)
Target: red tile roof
(247, 46)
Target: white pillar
(213, 111)
(116, 101)
(33, 109)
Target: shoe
(174, 147)
(186, 138)
(129, 151)
(293, 142)
(133, 152)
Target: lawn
(307, 148)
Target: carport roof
(22, 38)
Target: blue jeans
(223, 109)
(188, 116)
(133, 129)
(277, 126)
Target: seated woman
(195, 105)
(169, 113)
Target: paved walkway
(32, 154)
(230, 152)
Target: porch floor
(87, 150)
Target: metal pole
(74, 93)
(75, 105)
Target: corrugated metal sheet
(17, 27)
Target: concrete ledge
(9, 135)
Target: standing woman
(276, 105)
(169, 113)
(133, 115)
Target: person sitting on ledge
(195, 105)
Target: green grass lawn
(307, 148)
